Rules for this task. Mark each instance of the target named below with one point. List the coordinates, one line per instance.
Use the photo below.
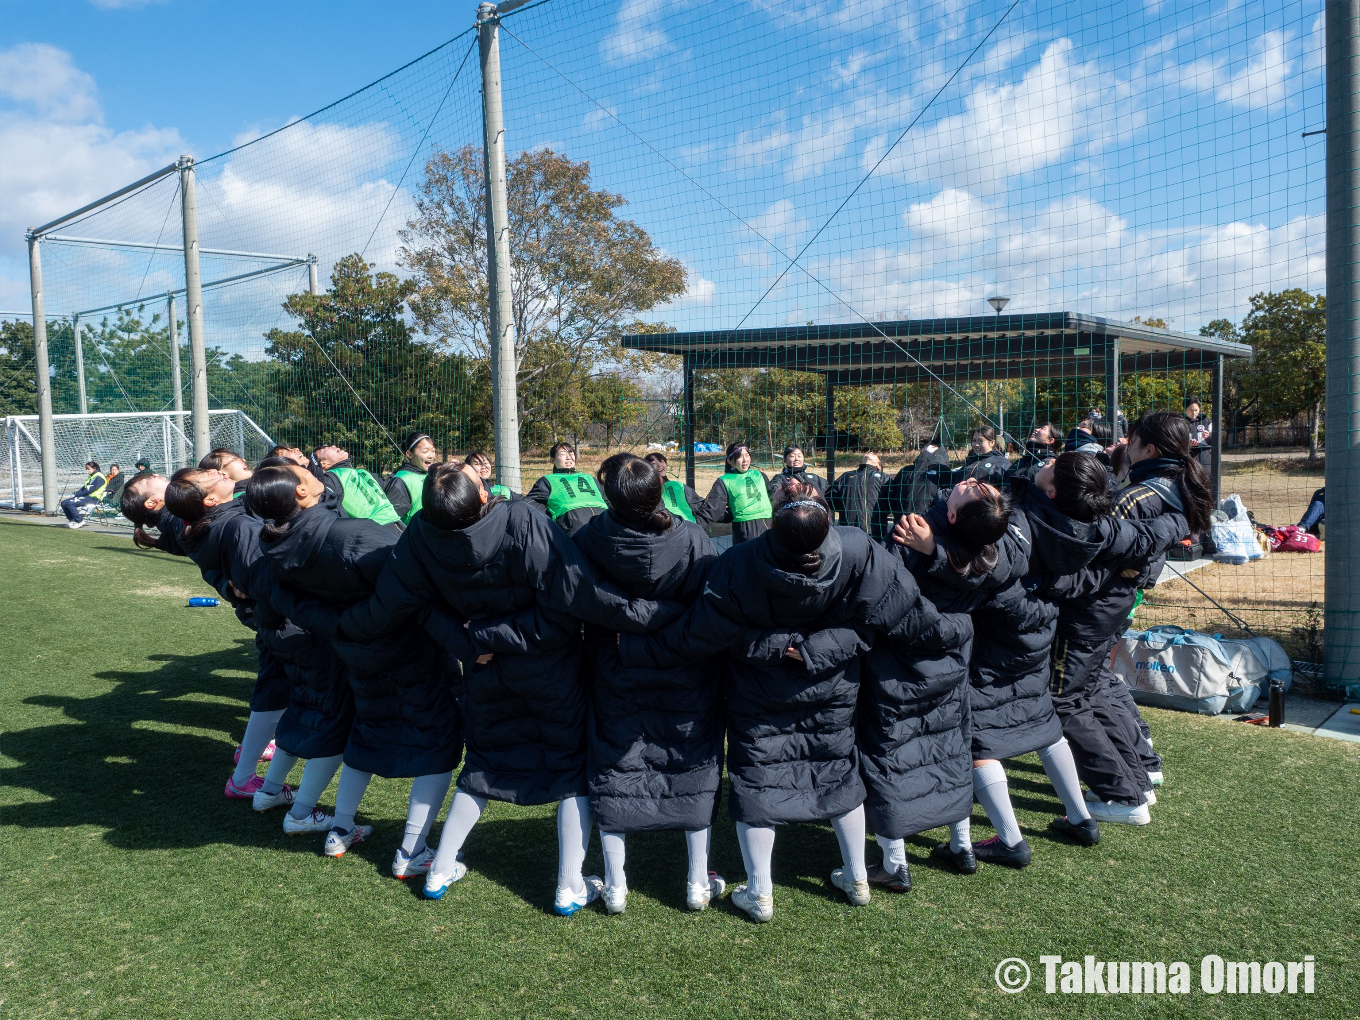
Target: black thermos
(1276, 702)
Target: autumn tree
(580, 275)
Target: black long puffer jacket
(210, 546)
(403, 684)
(654, 736)
(792, 751)
(513, 585)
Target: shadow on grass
(129, 760)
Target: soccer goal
(157, 437)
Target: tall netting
(858, 227)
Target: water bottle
(201, 601)
(1276, 703)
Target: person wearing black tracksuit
(654, 736)
(570, 497)
(796, 470)
(855, 497)
(793, 612)
(677, 497)
(740, 496)
(986, 462)
(510, 589)
(403, 684)
(1043, 444)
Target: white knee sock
(960, 835)
(427, 797)
(894, 852)
(575, 819)
(989, 786)
(614, 846)
(757, 852)
(698, 843)
(353, 785)
(279, 766)
(849, 829)
(463, 815)
(260, 729)
(316, 776)
(1062, 773)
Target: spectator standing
(795, 470)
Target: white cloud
(1257, 81)
(952, 215)
(636, 35)
(44, 79)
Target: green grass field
(133, 889)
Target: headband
(801, 502)
(411, 445)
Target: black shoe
(964, 861)
(993, 851)
(1085, 832)
(893, 881)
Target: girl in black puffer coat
(512, 591)
(793, 611)
(403, 685)
(654, 736)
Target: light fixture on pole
(998, 303)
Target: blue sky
(1120, 158)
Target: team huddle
(585, 644)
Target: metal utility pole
(176, 383)
(313, 287)
(80, 364)
(1342, 592)
(46, 434)
(193, 299)
(505, 401)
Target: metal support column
(80, 364)
(313, 286)
(830, 430)
(1342, 600)
(193, 300)
(502, 333)
(1217, 421)
(177, 388)
(47, 439)
(1112, 386)
(687, 425)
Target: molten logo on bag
(1154, 666)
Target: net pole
(46, 435)
(1342, 601)
(193, 299)
(176, 385)
(687, 434)
(1112, 367)
(830, 430)
(505, 403)
(1217, 441)
(313, 285)
(80, 364)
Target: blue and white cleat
(406, 866)
(437, 885)
(338, 841)
(569, 902)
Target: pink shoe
(268, 754)
(247, 792)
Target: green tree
(581, 274)
(614, 402)
(1288, 372)
(355, 373)
(18, 385)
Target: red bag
(1292, 538)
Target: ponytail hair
(132, 505)
(978, 526)
(452, 501)
(184, 498)
(802, 520)
(1082, 486)
(632, 487)
(1169, 432)
(271, 495)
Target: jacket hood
(474, 546)
(1061, 545)
(771, 567)
(204, 548)
(300, 545)
(635, 559)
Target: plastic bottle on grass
(198, 600)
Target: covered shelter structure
(950, 351)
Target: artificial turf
(133, 889)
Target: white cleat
(437, 885)
(338, 842)
(758, 908)
(317, 821)
(1122, 814)
(1156, 777)
(75, 524)
(615, 899)
(856, 892)
(404, 867)
(569, 901)
(700, 894)
(266, 801)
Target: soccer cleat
(1123, 814)
(615, 899)
(1157, 778)
(337, 842)
(856, 892)
(317, 821)
(569, 901)
(699, 895)
(247, 792)
(1086, 832)
(75, 524)
(404, 865)
(894, 881)
(268, 754)
(758, 908)
(993, 851)
(264, 801)
(1149, 798)
(437, 885)
(963, 861)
